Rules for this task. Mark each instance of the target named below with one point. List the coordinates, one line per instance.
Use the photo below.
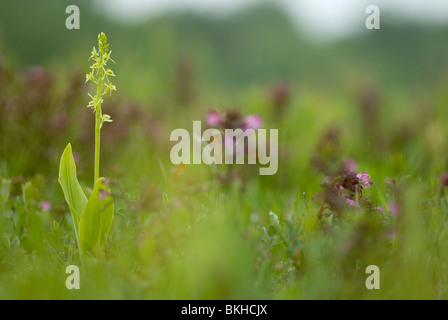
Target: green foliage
(177, 232)
(5, 186)
(73, 193)
(96, 219)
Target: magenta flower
(394, 209)
(363, 176)
(103, 194)
(364, 179)
(214, 118)
(252, 121)
(45, 205)
(380, 209)
(233, 119)
(350, 165)
(346, 190)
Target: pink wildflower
(214, 118)
(394, 209)
(350, 165)
(364, 179)
(252, 121)
(363, 176)
(103, 194)
(45, 205)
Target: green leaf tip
(73, 193)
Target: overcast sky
(322, 18)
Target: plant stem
(98, 115)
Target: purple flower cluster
(233, 120)
(364, 179)
(346, 189)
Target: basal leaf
(96, 219)
(75, 197)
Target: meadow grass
(181, 233)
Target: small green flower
(100, 76)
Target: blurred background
(234, 44)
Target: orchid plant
(92, 217)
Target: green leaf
(75, 197)
(96, 219)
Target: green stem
(97, 144)
(98, 115)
